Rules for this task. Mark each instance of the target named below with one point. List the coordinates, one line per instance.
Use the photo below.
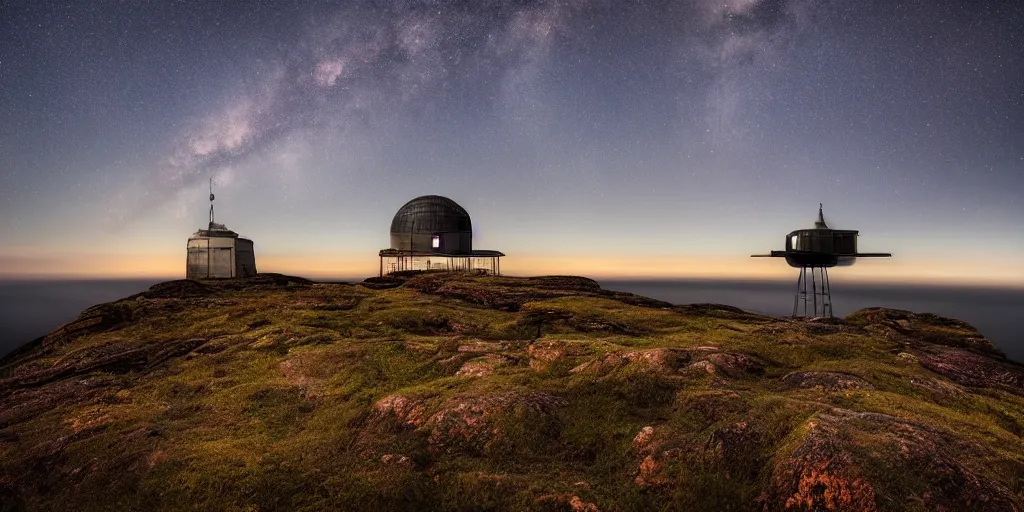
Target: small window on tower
(795, 242)
(436, 242)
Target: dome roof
(431, 214)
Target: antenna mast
(211, 202)
(820, 223)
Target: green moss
(277, 410)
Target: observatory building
(819, 249)
(435, 233)
(217, 252)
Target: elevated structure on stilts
(818, 249)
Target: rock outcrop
(438, 391)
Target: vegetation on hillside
(446, 391)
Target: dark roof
(215, 230)
(825, 232)
(431, 214)
(480, 253)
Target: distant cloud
(736, 36)
(328, 71)
(361, 67)
(416, 34)
(225, 135)
(226, 132)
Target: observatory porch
(397, 260)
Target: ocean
(996, 312)
(29, 309)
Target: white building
(218, 252)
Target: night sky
(595, 137)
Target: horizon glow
(591, 137)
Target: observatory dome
(432, 224)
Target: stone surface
(431, 391)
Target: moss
(275, 410)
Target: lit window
(436, 242)
(794, 243)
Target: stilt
(814, 288)
(820, 293)
(796, 295)
(803, 292)
(826, 309)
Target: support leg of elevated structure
(819, 295)
(826, 308)
(814, 291)
(796, 296)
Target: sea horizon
(33, 307)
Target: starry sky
(596, 137)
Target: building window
(436, 242)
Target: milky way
(626, 128)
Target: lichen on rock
(454, 391)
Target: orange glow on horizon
(348, 265)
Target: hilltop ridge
(455, 391)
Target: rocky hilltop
(456, 392)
